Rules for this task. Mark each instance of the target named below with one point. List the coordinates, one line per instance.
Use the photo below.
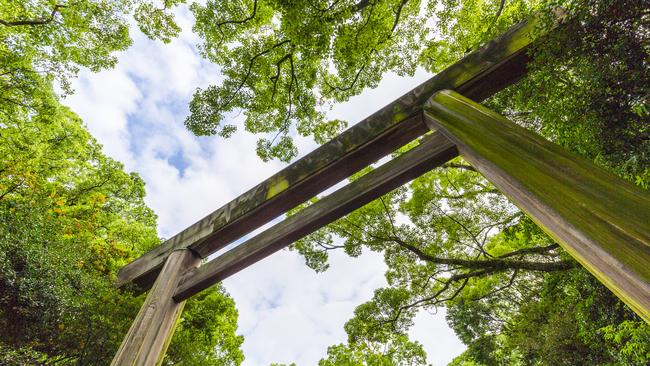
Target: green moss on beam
(599, 218)
(480, 74)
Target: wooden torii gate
(600, 219)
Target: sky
(287, 312)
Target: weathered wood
(152, 329)
(478, 75)
(435, 150)
(600, 219)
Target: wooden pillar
(147, 340)
(602, 220)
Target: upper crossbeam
(478, 75)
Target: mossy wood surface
(478, 75)
(600, 219)
(434, 151)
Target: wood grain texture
(434, 151)
(478, 75)
(600, 219)
(147, 340)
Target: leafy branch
(33, 22)
(398, 14)
(242, 21)
(251, 63)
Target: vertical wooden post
(153, 328)
(600, 219)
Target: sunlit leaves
(206, 332)
(44, 41)
(70, 217)
(399, 351)
(286, 63)
(157, 22)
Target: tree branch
(33, 22)
(359, 6)
(496, 17)
(249, 18)
(501, 5)
(13, 188)
(458, 166)
(275, 78)
(535, 250)
(489, 264)
(398, 14)
(250, 68)
(499, 289)
(388, 215)
(474, 237)
(465, 277)
(354, 81)
(294, 79)
(469, 194)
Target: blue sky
(287, 312)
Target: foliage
(70, 217)
(50, 40)
(558, 326)
(449, 239)
(590, 85)
(22, 356)
(398, 351)
(286, 63)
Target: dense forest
(70, 216)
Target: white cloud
(288, 313)
(297, 312)
(105, 111)
(439, 341)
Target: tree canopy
(46, 41)
(70, 216)
(449, 239)
(286, 63)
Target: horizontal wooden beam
(602, 220)
(478, 75)
(434, 151)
